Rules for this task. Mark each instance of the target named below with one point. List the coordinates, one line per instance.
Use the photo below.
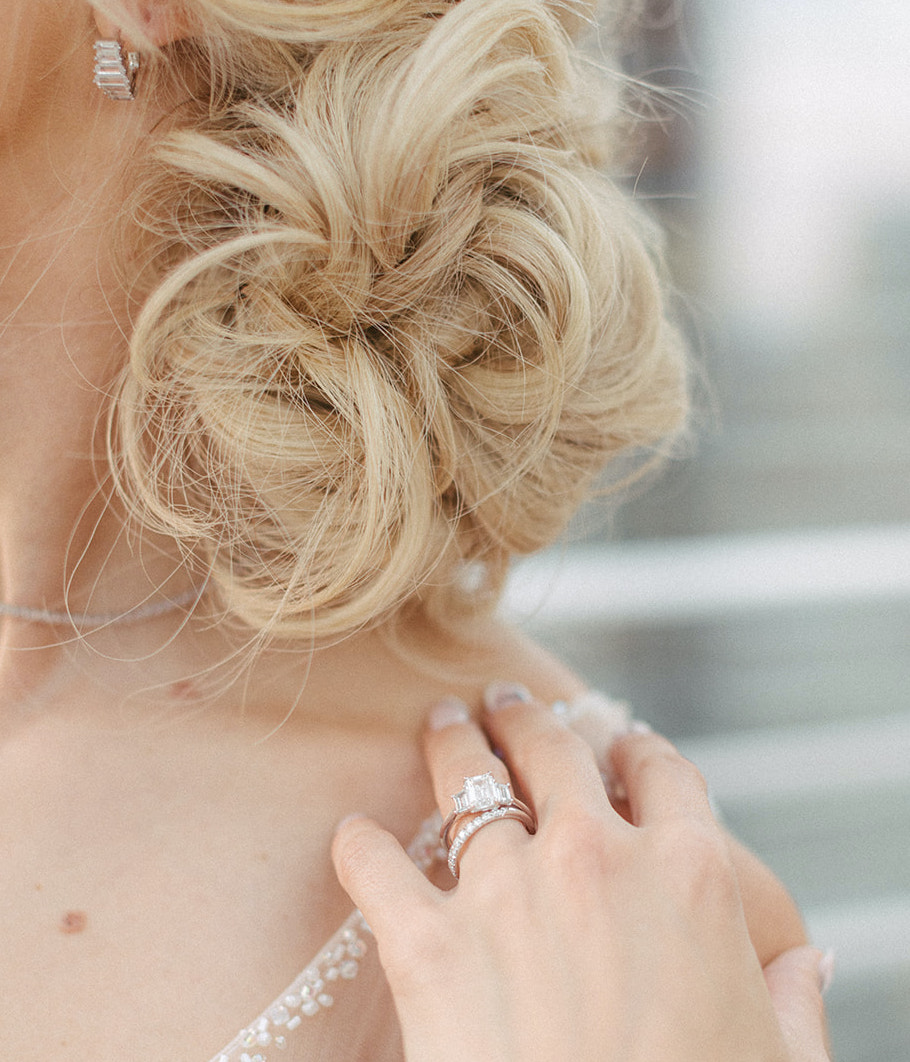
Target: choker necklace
(103, 619)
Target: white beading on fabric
(314, 990)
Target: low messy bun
(397, 321)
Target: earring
(114, 75)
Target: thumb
(795, 985)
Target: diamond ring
(481, 794)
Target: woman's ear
(161, 21)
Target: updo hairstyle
(394, 319)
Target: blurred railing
(689, 578)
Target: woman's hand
(595, 939)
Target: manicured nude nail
(448, 712)
(503, 694)
(826, 972)
(639, 727)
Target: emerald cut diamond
(481, 793)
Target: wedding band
(473, 826)
(481, 793)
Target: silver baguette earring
(115, 74)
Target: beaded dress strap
(596, 717)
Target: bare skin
(153, 811)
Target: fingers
(551, 768)
(456, 748)
(461, 762)
(552, 765)
(376, 873)
(660, 783)
(795, 983)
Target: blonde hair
(396, 319)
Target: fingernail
(561, 710)
(448, 712)
(639, 727)
(503, 694)
(349, 818)
(826, 971)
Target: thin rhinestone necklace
(102, 619)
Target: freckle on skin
(73, 922)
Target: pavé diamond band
(475, 825)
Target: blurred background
(754, 603)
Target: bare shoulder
(499, 652)
(523, 660)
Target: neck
(63, 318)
(62, 537)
